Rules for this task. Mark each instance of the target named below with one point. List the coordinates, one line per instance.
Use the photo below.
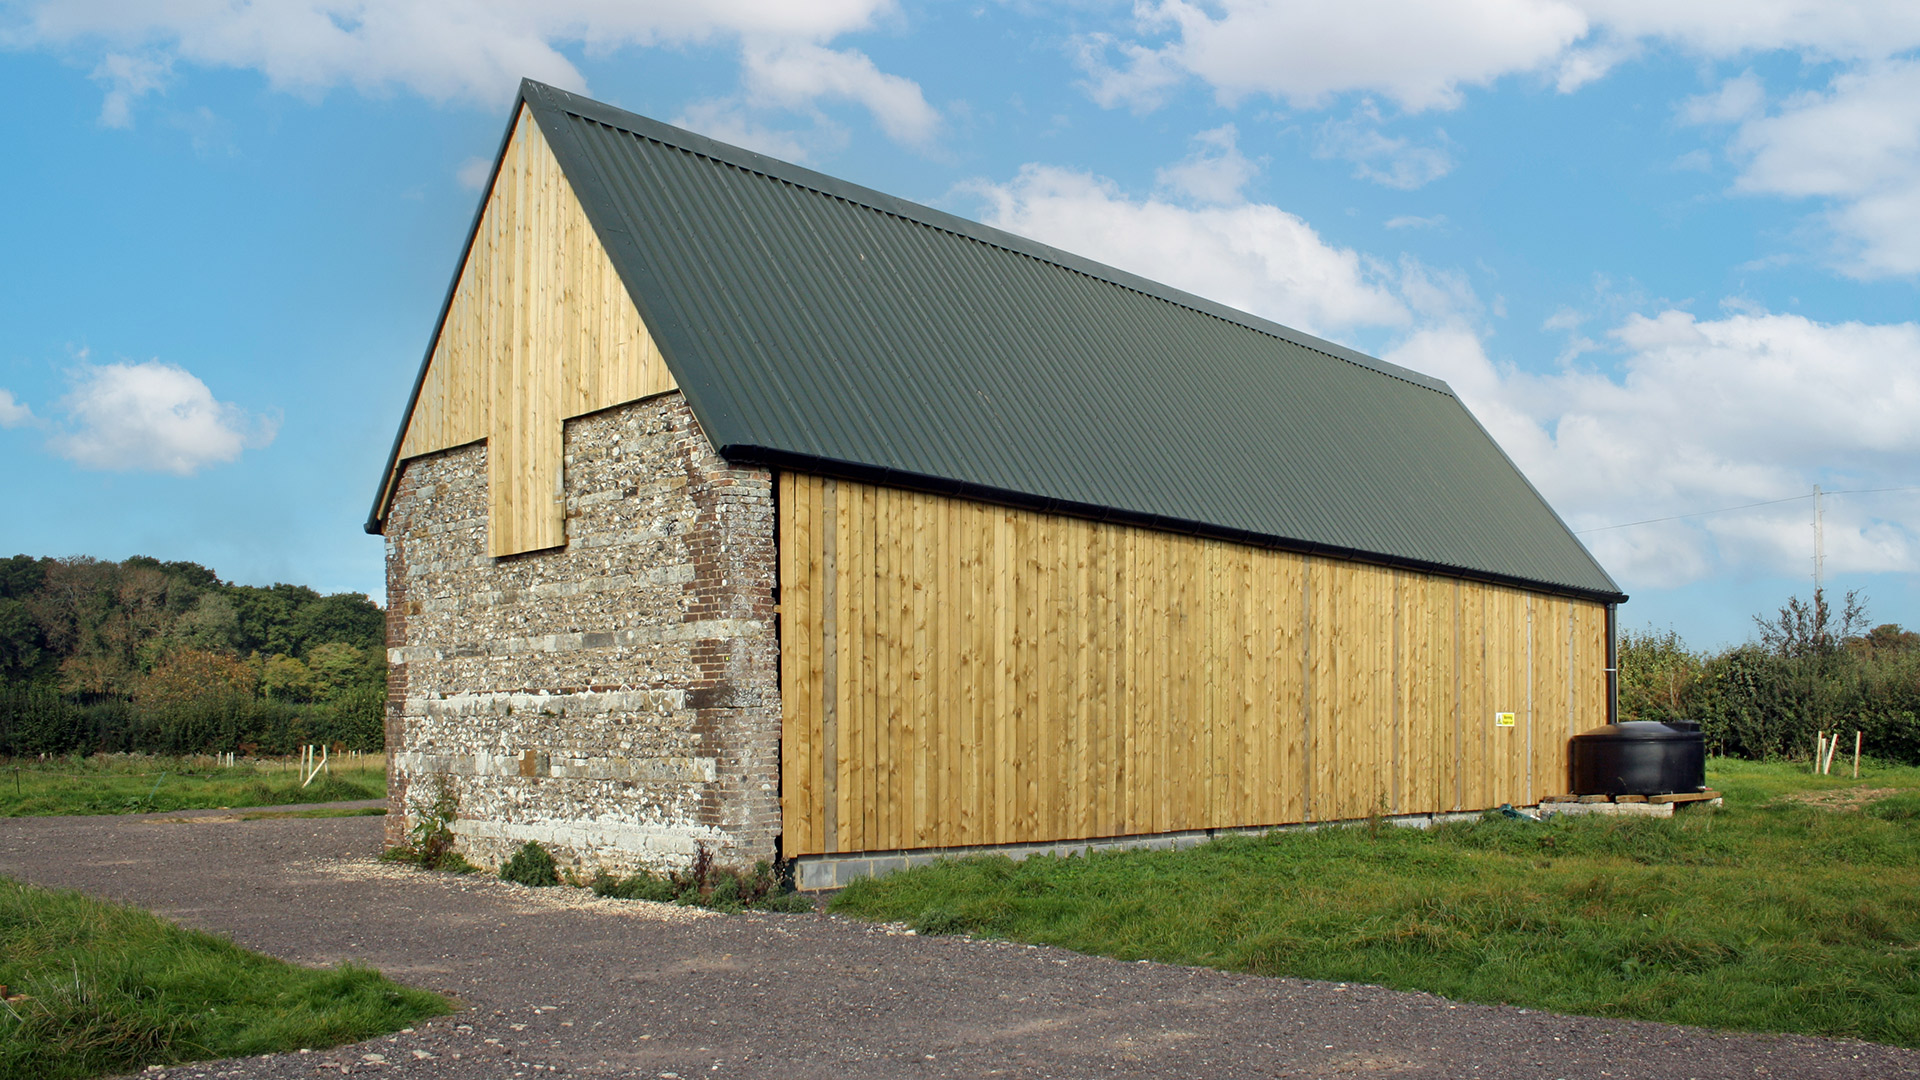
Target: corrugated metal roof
(814, 323)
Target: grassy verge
(1774, 914)
(95, 988)
(139, 783)
(323, 812)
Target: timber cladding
(955, 673)
(539, 329)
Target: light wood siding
(955, 673)
(541, 329)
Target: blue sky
(1667, 252)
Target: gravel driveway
(554, 981)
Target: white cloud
(1705, 414)
(1390, 161)
(127, 79)
(152, 417)
(474, 172)
(1141, 79)
(1252, 256)
(449, 50)
(1737, 99)
(1856, 29)
(795, 74)
(1215, 172)
(1565, 318)
(1421, 54)
(1853, 145)
(13, 413)
(730, 120)
(1591, 62)
(1856, 146)
(1409, 221)
(1414, 52)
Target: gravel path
(555, 981)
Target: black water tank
(1640, 757)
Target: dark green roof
(818, 325)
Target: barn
(742, 507)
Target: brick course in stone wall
(616, 699)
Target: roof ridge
(819, 183)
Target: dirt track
(555, 982)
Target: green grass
(139, 783)
(1769, 915)
(96, 988)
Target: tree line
(165, 657)
(1810, 667)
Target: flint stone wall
(616, 699)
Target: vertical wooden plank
(1276, 780)
(1171, 558)
(1109, 628)
(999, 551)
(798, 718)
(921, 665)
(1056, 685)
(956, 623)
(1026, 674)
(907, 751)
(898, 683)
(1013, 709)
(1437, 698)
(1159, 739)
(1129, 814)
(844, 656)
(791, 789)
(1261, 784)
(872, 723)
(1087, 718)
(814, 613)
(1400, 698)
(1480, 692)
(832, 685)
(1053, 688)
(1354, 735)
(1232, 720)
(1329, 634)
(880, 803)
(848, 760)
(944, 604)
(1289, 681)
(1411, 673)
(979, 537)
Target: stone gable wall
(616, 699)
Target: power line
(1743, 506)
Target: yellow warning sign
(1503, 719)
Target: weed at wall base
(430, 841)
(706, 884)
(531, 865)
